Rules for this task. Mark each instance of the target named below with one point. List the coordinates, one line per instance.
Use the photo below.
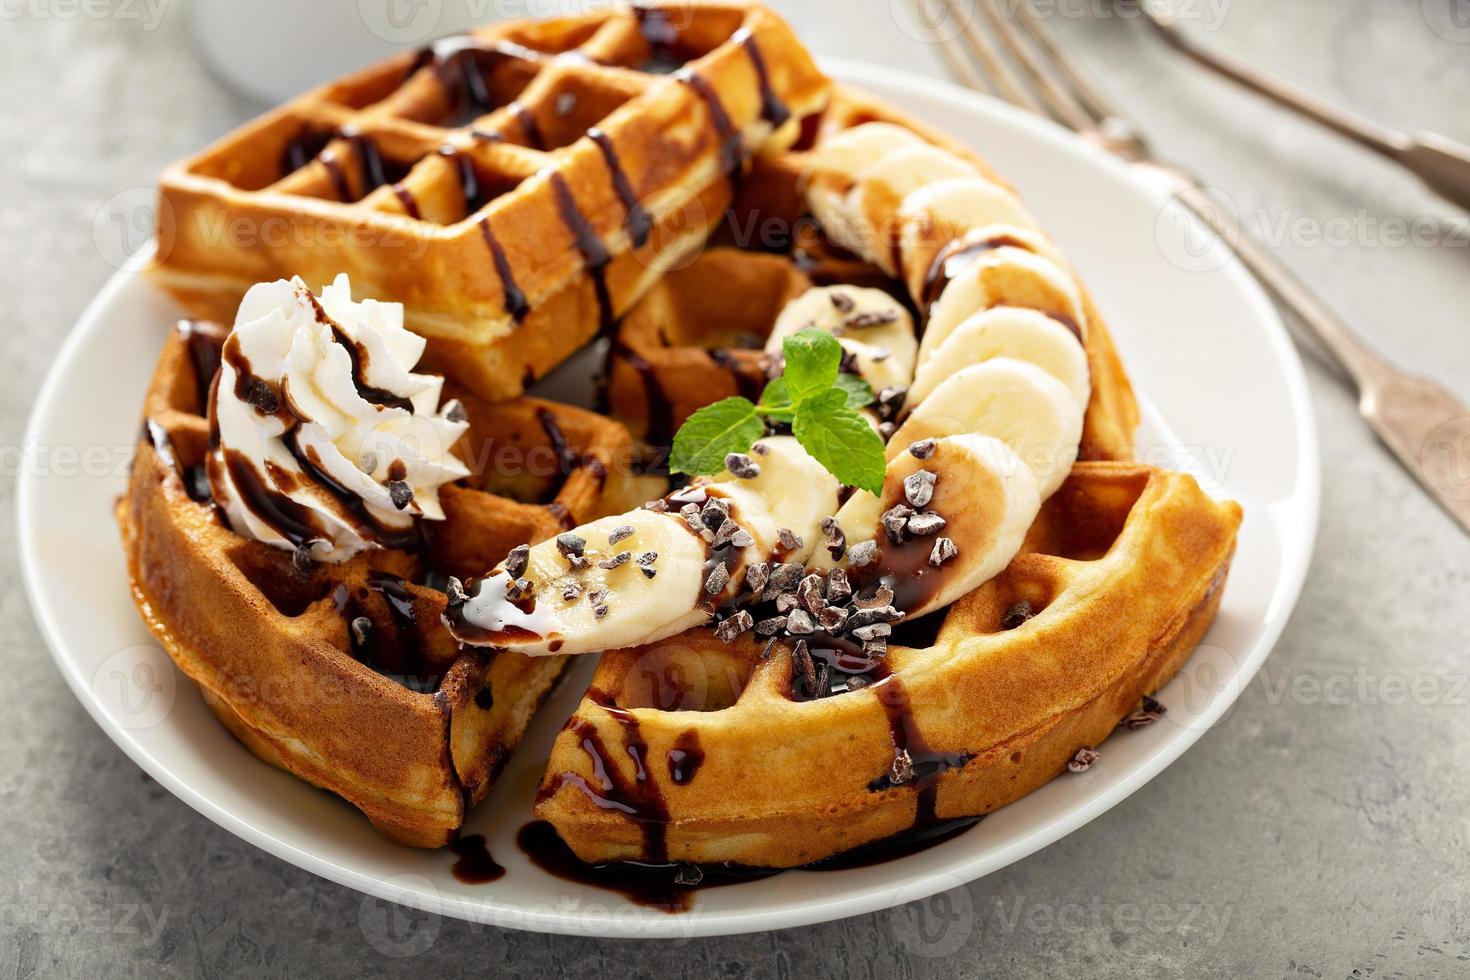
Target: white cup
(274, 49)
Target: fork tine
(1060, 100)
(963, 56)
(1079, 79)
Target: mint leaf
(812, 357)
(841, 440)
(710, 434)
(859, 392)
(775, 401)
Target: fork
(1022, 61)
(1440, 162)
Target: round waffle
(516, 188)
(342, 673)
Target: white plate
(1201, 342)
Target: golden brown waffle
(695, 750)
(697, 336)
(343, 674)
(516, 188)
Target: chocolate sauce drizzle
(637, 222)
(961, 254)
(661, 37)
(515, 300)
(358, 355)
(475, 865)
(773, 110)
(685, 757)
(204, 340)
(528, 124)
(747, 383)
(639, 798)
(732, 150)
(660, 409)
(594, 253)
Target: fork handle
(1365, 366)
(1440, 162)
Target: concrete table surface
(1320, 830)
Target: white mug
(274, 49)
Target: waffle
(697, 750)
(697, 336)
(343, 674)
(516, 188)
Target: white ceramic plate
(1224, 396)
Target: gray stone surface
(1316, 834)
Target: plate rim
(885, 81)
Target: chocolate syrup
(529, 127)
(594, 253)
(515, 300)
(409, 202)
(926, 764)
(475, 865)
(277, 511)
(658, 885)
(746, 382)
(671, 886)
(358, 355)
(685, 757)
(476, 196)
(732, 151)
(204, 340)
(355, 507)
(462, 63)
(568, 459)
(303, 148)
(957, 256)
(661, 37)
(660, 431)
(637, 222)
(773, 110)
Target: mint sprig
(819, 403)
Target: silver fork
(1021, 60)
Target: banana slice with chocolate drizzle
(996, 394)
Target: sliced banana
(1004, 276)
(1012, 400)
(873, 203)
(986, 498)
(933, 216)
(869, 324)
(1007, 331)
(593, 607)
(834, 166)
(644, 576)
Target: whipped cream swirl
(324, 441)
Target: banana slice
(1007, 331)
(646, 575)
(1014, 401)
(869, 324)
(933, 216)
(1003, 276)
(835, 164)
(971, 520)
(873, 204)
(586, 597)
